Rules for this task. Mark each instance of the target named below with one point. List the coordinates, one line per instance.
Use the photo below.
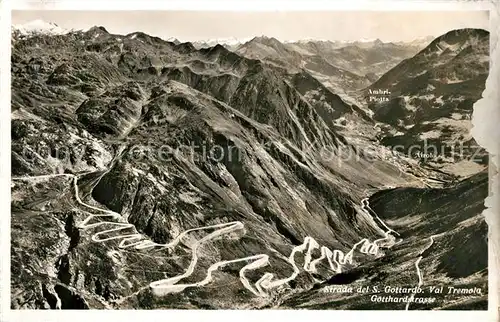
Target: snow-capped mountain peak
(367, 40)
(228, 41)
(39, 26)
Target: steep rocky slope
(431, 100)
(449, 247)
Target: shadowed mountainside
(431, 100)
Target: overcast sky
(332, 25)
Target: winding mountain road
(336, 258)
(419, 272)
(365, 204)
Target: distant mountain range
(365, 59)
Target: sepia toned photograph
(210, 160)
